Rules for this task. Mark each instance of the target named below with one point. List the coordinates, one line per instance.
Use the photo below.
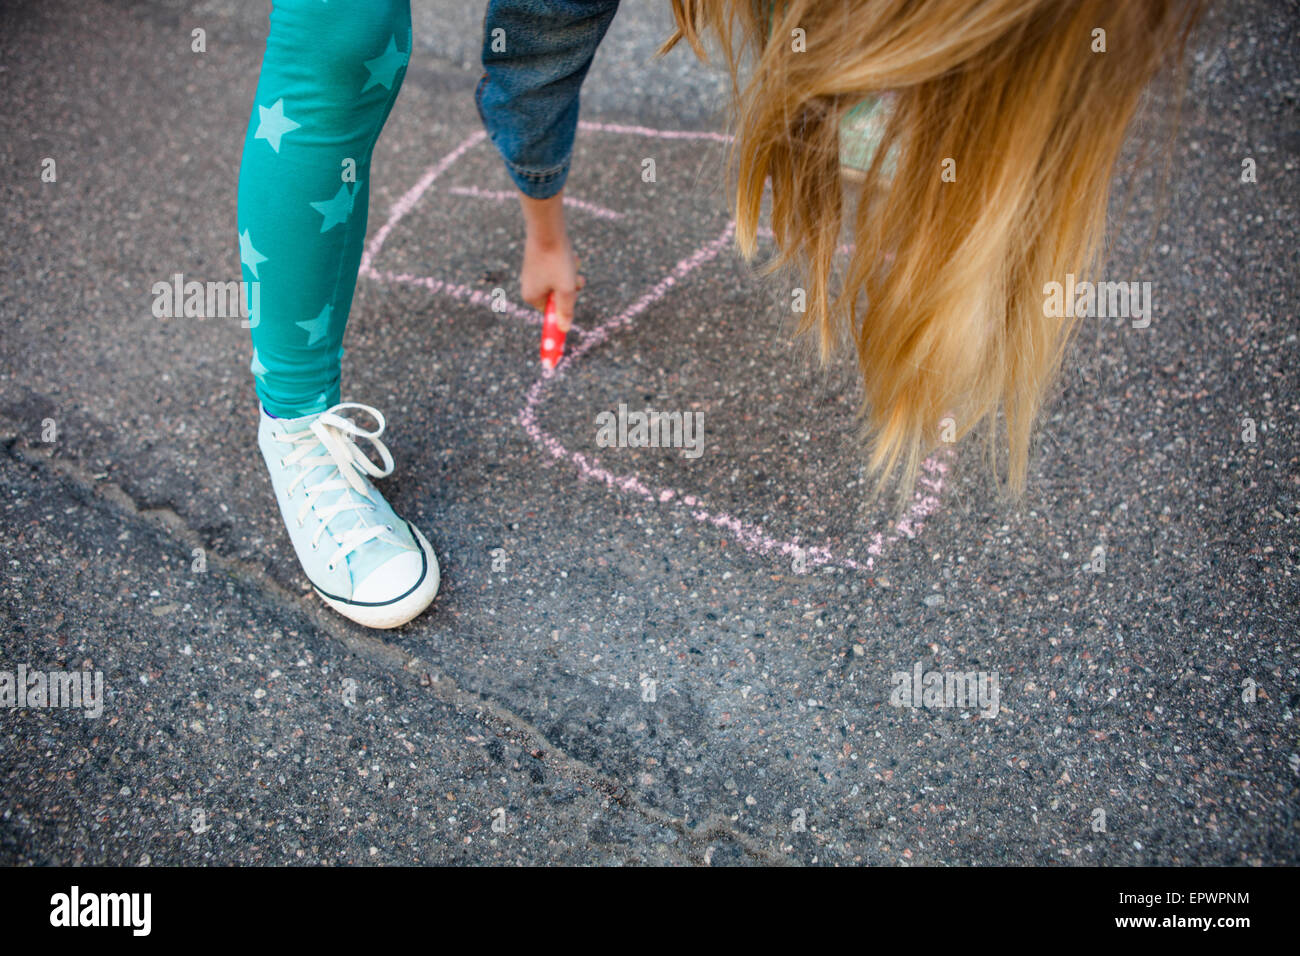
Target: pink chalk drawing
(752, 536)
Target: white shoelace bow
(337, 435)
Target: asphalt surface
(628, 661)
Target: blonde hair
(943, 291)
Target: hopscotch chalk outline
(752, 536)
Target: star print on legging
(330, 75)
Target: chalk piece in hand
(552, 337)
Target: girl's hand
(549, 263)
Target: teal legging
(330, 75)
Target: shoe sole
(395, 613)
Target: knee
(337, 39)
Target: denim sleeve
(536, 54)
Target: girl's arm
(536, 54)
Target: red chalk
(552, 337)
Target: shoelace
(337, 435)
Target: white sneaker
(363, 560)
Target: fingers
(565, 301)
(564, 305)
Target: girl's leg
(329, 78)
(330, 75)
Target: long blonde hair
(943, 291)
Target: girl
(990, 180)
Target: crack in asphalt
(502, 721)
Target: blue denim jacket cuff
(538, 183)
